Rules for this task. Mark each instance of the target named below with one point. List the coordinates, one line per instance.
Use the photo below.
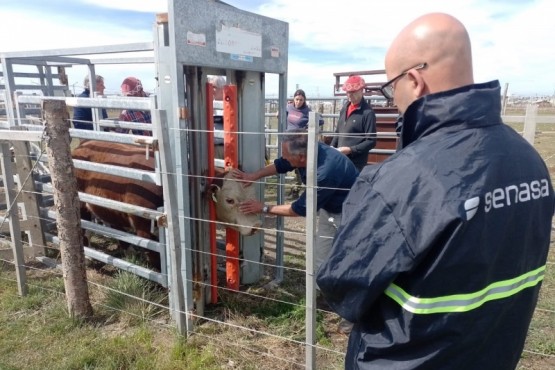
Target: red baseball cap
(353, 83)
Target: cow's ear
(213, 191)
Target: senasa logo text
(512, 194)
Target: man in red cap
(132, 86)
(355, 133)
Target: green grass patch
(129, 297)
(36, 332)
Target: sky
(512, 40)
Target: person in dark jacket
(335, 176)
(297, 113)
(442, 248)
(355, 133)
(82, 116)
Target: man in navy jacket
(82, 116)
(335, 174)
(442, 248)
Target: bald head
(442, 42)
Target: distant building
(543, 103)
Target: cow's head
(227, 197)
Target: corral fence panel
(23, 114)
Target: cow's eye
(230, 201)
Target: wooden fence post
(66, 202)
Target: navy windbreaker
(82, 116)
(335, 176)
(442, 248)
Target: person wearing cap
(82, 116)
(355, 133)
(132, 86)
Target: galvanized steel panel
(215, 34)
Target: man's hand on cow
(247, 178)
(251, 206)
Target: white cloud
(519, 52)
(508, 38)
(511, 39)
(52, 34)
(147, 6)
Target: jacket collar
(467, 106)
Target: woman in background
(297, 112)
(132, 86)
(297, 118)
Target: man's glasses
(387, 89)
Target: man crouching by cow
(144, 194)
(335, 176)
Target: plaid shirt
(136, 116)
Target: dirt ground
(332, 345)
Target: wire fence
(238, 319)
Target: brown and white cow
(145, 194)
(117, 188)
(228, 195)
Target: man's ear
(417, 83)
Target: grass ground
(539, 353)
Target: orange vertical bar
(212, 206)
(231, 161)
